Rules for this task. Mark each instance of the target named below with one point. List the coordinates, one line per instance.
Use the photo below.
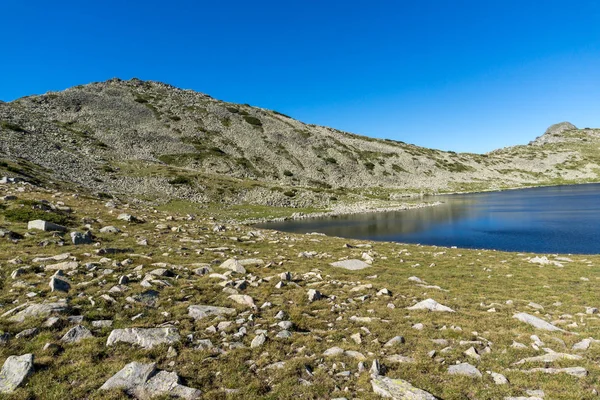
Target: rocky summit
(130, 269)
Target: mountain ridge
(152, 139)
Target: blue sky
(449, 74)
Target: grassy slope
(474, 280)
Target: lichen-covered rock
(398, 389)
(14, 371)
(352, 265)
(536, 322)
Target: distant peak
(559, 128)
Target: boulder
(14, 371)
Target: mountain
(153, 140)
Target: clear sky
(462, 75)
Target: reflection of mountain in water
(374, 225)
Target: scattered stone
(199, 311)
(63, 266)
(243, 299)
(314, 295)
(14, 371)
(430, 305)
(499, 379)
(40, 310)
(465, 369)
(45, 226)
(352, 265)
(76, 334)
(81, 238)
(144, 337)
(258, 341)
(394, 341)
(398, 389)
(59, 283)
(536, 322)
(233, 265)
(110, 229)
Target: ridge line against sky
(453, 75)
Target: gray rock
(144, 337)
(499, 379)
(76, 334)
(352, 265)
(165, 383)
(233, 265)
(199, 311)
(132, 375)
(59, 284)
(45, 226)
(242, 299)
(394, 341)
(333, 351)
(430, 305)
(14, 371)
(398, 389)
(314, 295)
(536, 322)
(40, 310)
(110, 229)
(27, 333)
(465, 369)
(128, 218)
(258, 341)
(81, 238)
(63, 266)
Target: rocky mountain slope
(153, 140)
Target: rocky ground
(101, 299)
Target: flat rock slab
(430, 305)
(40, 310)
(537, 322)
(352, 265)
(398, 389)
(144, 381)
(14, 371)
(144, 337)
(199, 311)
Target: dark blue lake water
(560, 219)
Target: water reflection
(563, 219)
